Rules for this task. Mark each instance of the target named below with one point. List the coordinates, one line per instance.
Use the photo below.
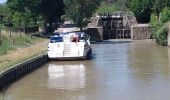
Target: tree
(165, 15)
(49, 10)
(141, 9)
(127, 3)
(80, 10)
(158, 6)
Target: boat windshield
(56, 39)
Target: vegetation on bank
(160, 26)
(21, 49)
(20, 14)
(161, 36)
(104, 8)
(79, 11)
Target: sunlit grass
(19, 49)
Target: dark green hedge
(161, 36)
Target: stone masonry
(140, 31)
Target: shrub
(5, 46)
(165, 15)
(161, 36)
(155, 24)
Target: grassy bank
(19, 48)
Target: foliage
(142, 10)
(31, 10)
(155, 24)
(106, 9)
(154, 20)
(158, 5)
(80, 10)
(113, 5)
(161, 36)
(51, 11)
(5, 46)
(165, 15)
(160, 32)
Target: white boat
(69, 45)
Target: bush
(155, 24)
(154, 21)
(160, 30)
(141, 9)
(161, 36)
(5, 46)
(165, 15)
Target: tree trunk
(50, 27)
(20, 29)
(81, 29)
(80, 20)
(44, 28)
(0, 30)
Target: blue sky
(2, 1)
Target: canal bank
(15, 72)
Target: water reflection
(148, 64)
(66, 76)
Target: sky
(2, 1)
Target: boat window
(56, 39)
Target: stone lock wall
(140, 31)
(96, 33)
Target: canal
(119, 70)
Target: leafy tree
(104, 8)
(141, 9)
(5, 15)
(158, 6)
(127, 3)
(165, 15)
(80, 10)
(49, 10)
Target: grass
(5, 46)
(15, 41)
(21, 49)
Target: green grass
(6, 45)
(19, 49)
(4, 67)
(15, 42)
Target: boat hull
(68, 51)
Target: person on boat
(75, 38)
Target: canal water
(119, 70)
